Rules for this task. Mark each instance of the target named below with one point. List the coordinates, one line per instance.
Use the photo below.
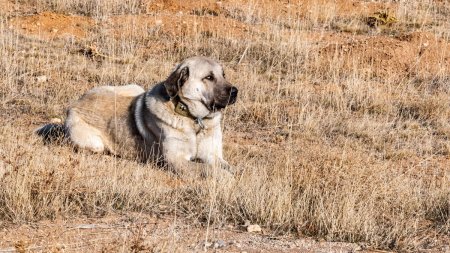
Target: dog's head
(200, 84)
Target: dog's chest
(202, 131)
(200, 128)
(205, 127)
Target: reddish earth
(267, 8)
(177, 25)
(51, 25)
(416, 53)
(7, 6)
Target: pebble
(254, 228)
(219, 244)
(55, 120)
(5, 168)
(41, 79)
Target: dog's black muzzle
(227, 97)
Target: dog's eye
(210, 77)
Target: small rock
(219, 244)
(254, 228)
(5, 169)
(207, 244)
(41, 79)
(91, 226)
(55, 120)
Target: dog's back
(98, 121)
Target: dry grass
(343, 145)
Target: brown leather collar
(182, 109)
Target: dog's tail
(52, 132)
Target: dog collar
(182, 109)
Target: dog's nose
(233, 94)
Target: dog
(177, 123)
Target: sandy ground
(145, 233)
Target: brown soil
(50, 25)
(190, 7)
(407, 53)
(267, 8)
(177, 25)
(6, 5)
(145, 233)
(411, 54)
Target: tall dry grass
(329, 145)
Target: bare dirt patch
(146, 233)
(418, 54)
(7, 6)
(208, 7)
(179, 25)
(52, 25)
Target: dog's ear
(176, 80)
